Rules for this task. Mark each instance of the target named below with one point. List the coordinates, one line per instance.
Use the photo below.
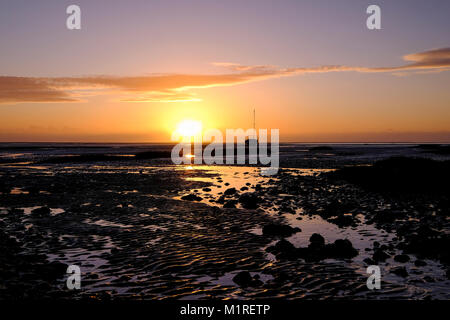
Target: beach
(142, 228)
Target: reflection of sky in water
(223, 178)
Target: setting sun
(189, 128)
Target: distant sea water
(312, 155)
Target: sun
(189, 128)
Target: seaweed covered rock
(279, 230)
(230, 191)
(249, 200)
(316, 240)
(380, 255)
(400, 271)
(317, 250)
(244, 279)
(191, 197)
(41, 212)
(230, 204)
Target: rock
(402, 258)
(249, 200)
(380, 255)
(340, 249)
(42, 211)
(206, 189)
(400, 271)
(420, 263)
(279, 230)
(287, 209)
(343, 248)
(283, 249)
(221, 200)
(54, 270)
(283, 245)
(428, 243)
(230, 204)
(316, 240)
(244, 188)
(191, 197)
(229, 191)
(244, 279)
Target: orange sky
(355, 86)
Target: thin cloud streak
(175, 87)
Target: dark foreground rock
(230, 191)
(317, 250)
(380, 255)
(26, 275)
(428, 243)
(400, 271)
(316, 240)
(401, 175)
(41, 212)
(230, 204)
(191, 197)
(249, 200)
(244, 279)
(280, 230)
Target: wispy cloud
(175, 87)
(22, 89)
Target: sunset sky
(310, 68)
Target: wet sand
(135, 234)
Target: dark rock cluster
(316, 250)
(244, 279)
(279, 230)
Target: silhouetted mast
(252, 136)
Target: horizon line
(284, 142)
